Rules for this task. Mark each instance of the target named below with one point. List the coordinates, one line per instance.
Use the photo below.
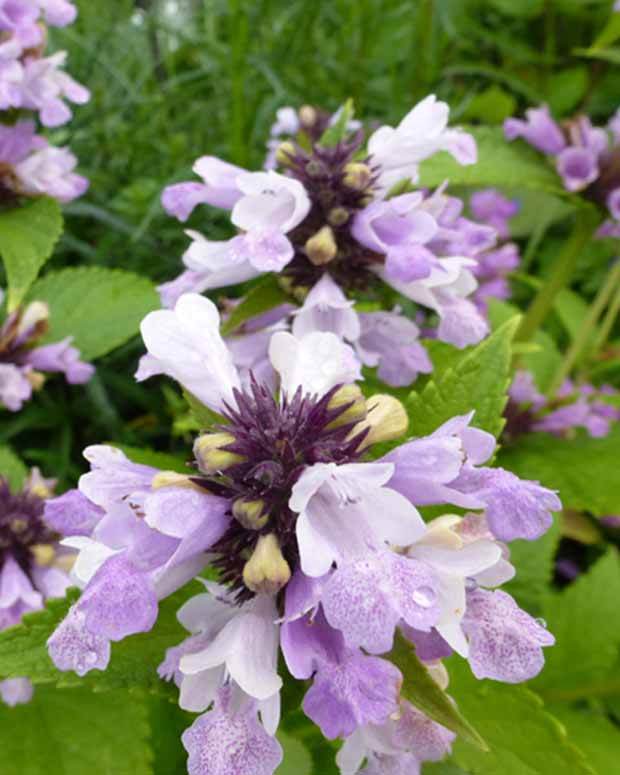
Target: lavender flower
(32, 565)
(329, 211)
(321, 551)
(574, 406)
(586, 157)
(22, 365)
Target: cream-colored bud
(307, 115)
(266, 571)
(43, 554)
(322, 248)
(386, 420)
(357, 175)
(284, 152)
(338, 216)
(250, 513)
(35, 313)
(438, 673)
(211, 455)
(174, 479)
(352, 397)
(36, 379)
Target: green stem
(608, 322)
(560, 275)
(586, 330)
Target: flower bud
(357, 175)
(34, 317)
(43, 554)
(36, 379)
(285, 152)
(250, 513)
(438, 673)
(352, 397)
(266, 571)
(386, 420)
(322, 247)
(211, 453)
(307, 115)
(173, 479)
(338, 216)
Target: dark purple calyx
(22, 526)
(276, 441)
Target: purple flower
(491, 207)
(539, 129)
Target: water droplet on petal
(425, 597)
(542, 622)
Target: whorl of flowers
(23, 364)
(321, 551)
(32, 84)
(347, 210)
(33, 566)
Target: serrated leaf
(12, 468)
(500, 163)
(583, 469)
(338, 130)
(100, 308)
(523, 738)
(594, 734)
(478, 381)
(584, 620)
(423, 692)
(27, 238)
(74, 732)
(262, 297)
(133, 663)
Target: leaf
(609, 34)
(492, 106)
(297, 759)
(148, 457)
(594, 734)
(27, 238)
(479, 381)
(74, 732)
(423, 692)
(338, 130)
(168, 722)
(134, 660)
(523, 738)
(262, 297)
(584, 620)
(583, 469)
(500, 163)
(12, 468)
(101, 308)
(567, 88)
(204, 416)
(572, 310)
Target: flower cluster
(33, 567)
(574, 406)
(321, 552)
(32, 83)
(586, 157)
(347, 210)
(22, 364)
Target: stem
(587, 327)
(560, 275)
(608, 322)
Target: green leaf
(567, 88)
(500, 163)
(297, 758)
(594, 734)
(265, 295)
(134, 660)
(148, 457)
(584, 620)
(572, 310)
(478, 380)
(423, 692)
(27, 238)
(74, 732)
(609, 34)
(204, 416)
(101, 308)
(583, 469)
(12, 468)
(523, 738)
(168, 722)
(338, 131)
(492, 106)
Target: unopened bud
(322, 247)
(250, 513)
(352, 397)
(285, 152)
(307, 115)
(173, 479)
(338, 216)
(357, 175)
(438, 673)
(35, 316)
(43, 554)
(211, 453)
(36, 379)
(266, 571)
(386, 420)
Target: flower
(321, 551)
(22, 364)
(327, 212)
(32, 564)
